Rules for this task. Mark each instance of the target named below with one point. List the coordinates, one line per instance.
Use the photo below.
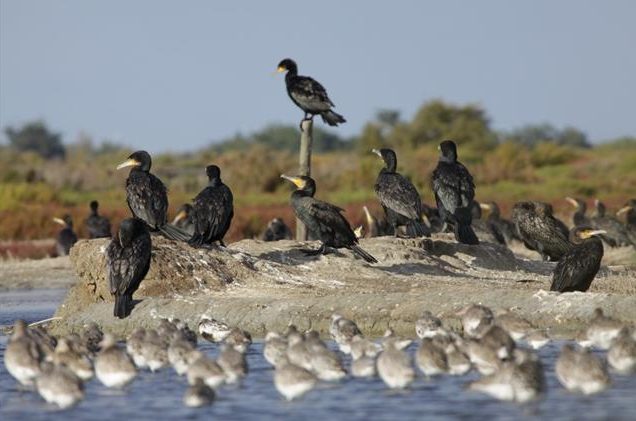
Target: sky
(178, 75)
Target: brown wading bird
(578, 267)
(128, 261)
(308, 95)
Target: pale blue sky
(175, 75)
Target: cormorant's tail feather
(332, 118)
(174, 233)
(360, 252)
(464, 234)
(417, 229)
(123, 306)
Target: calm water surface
(158, 395)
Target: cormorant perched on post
(128, 261)
(580, 207)
(98, 226)
(147, 196)
(66, 237)
(308, 95)
(323, 220)
(399, 198)
(276, 230)
(540, 230)
(183, 219)
(616, 234)
(212, 210)
(504, 228)
(578, 267)
(454, 193)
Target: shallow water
(158, 395)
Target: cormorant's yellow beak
(367, 215)
(484, 206)
(426, 221)
(596, 202)
(179, 217)
(377, 152)
(59, 221)
(128, 163)
(572, 201)
(281, 69)
(298, 182)
(439, 147)
(591, 233)
(623, 210)
(359, 232)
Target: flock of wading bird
(501, 347)
(57, 367)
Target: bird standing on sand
(128, 261)
(578, 267)
(540, 230)
(399, 198)
(308, 95)
(147, 196)
(98, 226)
(454, 193)
(212, 210)
(66, 237)
(323, 220)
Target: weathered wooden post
(304, 161)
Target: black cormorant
(98, 226)
(580, 207)
(483, 230)
(616, 234)
(147, 196)
(504, 228)
(212, 210)
(128, 261)
(578, 267)
(323, 220)
(308, 95)
(183, 219)
(540, 230)
(66, 237)
(629, 212)
(454, 193)
(399, 198)
(276, 230)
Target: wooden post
(304, 161)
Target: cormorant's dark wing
(212, 212)
(400, 195)
(309, 94)
(98, 226)
(147, 198)
(127, 267)
(453, 186)
(576, 269)
(330, 221)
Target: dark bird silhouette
(66, 237)
(147, 196)
(628, 214)
(399, 198)
(375, 227)
(454, 193)
(616, 234)
(276, 230)
(212, 210)
(183, 219)
(580, 207)
(323, 220)
(127, 261)
(504, 228)
(98, 226)
(483, 230)
(540, 230)
(308, 95)
(578, 267)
